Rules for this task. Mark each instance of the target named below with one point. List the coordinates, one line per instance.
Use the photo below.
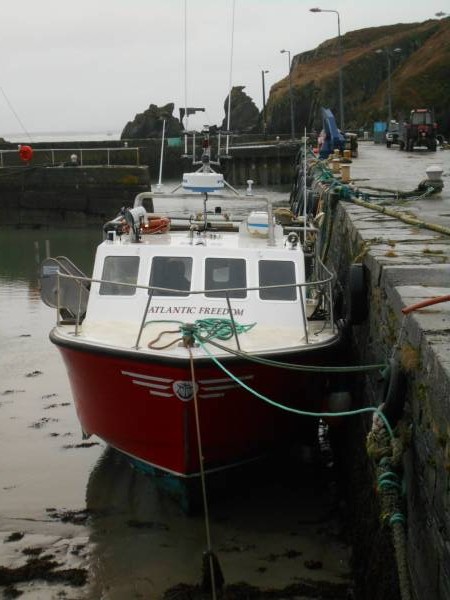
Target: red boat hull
(146, 409)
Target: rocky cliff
(150, 123)
(244, 117)
(420, 77)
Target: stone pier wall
(266, 163)
(404, 265)
(67, 196)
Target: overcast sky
(91, 65)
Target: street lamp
(291, 99)
(264, 101)
(341, 92)
(389, 54)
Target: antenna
(158, 187)
(231, 78)
(186, 114)
(305, 191)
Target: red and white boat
(176, 318)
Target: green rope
(222, 329)
(297, 411)
(296, 367)
(397, 518)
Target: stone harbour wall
(67, 196)
(403, 266)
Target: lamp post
(264, 101)
(291, 98)
(389, 54)
(341, 92)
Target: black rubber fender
(394, 394)
(356, 295)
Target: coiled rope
(205, 330)
(387, 453)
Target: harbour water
(72, 501)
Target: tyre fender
(394, 393)
(356, 293)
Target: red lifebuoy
(156, 225)
(26, 153)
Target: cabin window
(173, 272)
(223, 274)
(277, 272)
(123, 269)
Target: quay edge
(400, 273)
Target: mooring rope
(306, 413)
(382, 445)
(387, 453)
(400, 216)
(202, 477)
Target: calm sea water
(87, 507)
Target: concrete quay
(405, 265)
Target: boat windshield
(172, 272)
(277, 272)
(225, 274)
(124, 270)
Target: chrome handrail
(326, 282)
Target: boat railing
(319, 289)
(70, 300)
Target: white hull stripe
(160, 386)
(153, 386)
(148, 377)
(226, 380)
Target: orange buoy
(156, 225)
(26, 153)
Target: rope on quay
(387, 451)
(324, 180)
(395, 214)
(385, 448)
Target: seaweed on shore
(44, 569)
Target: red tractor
(420, 131)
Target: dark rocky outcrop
(420, 78)
(150, 123)
(244, 116)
